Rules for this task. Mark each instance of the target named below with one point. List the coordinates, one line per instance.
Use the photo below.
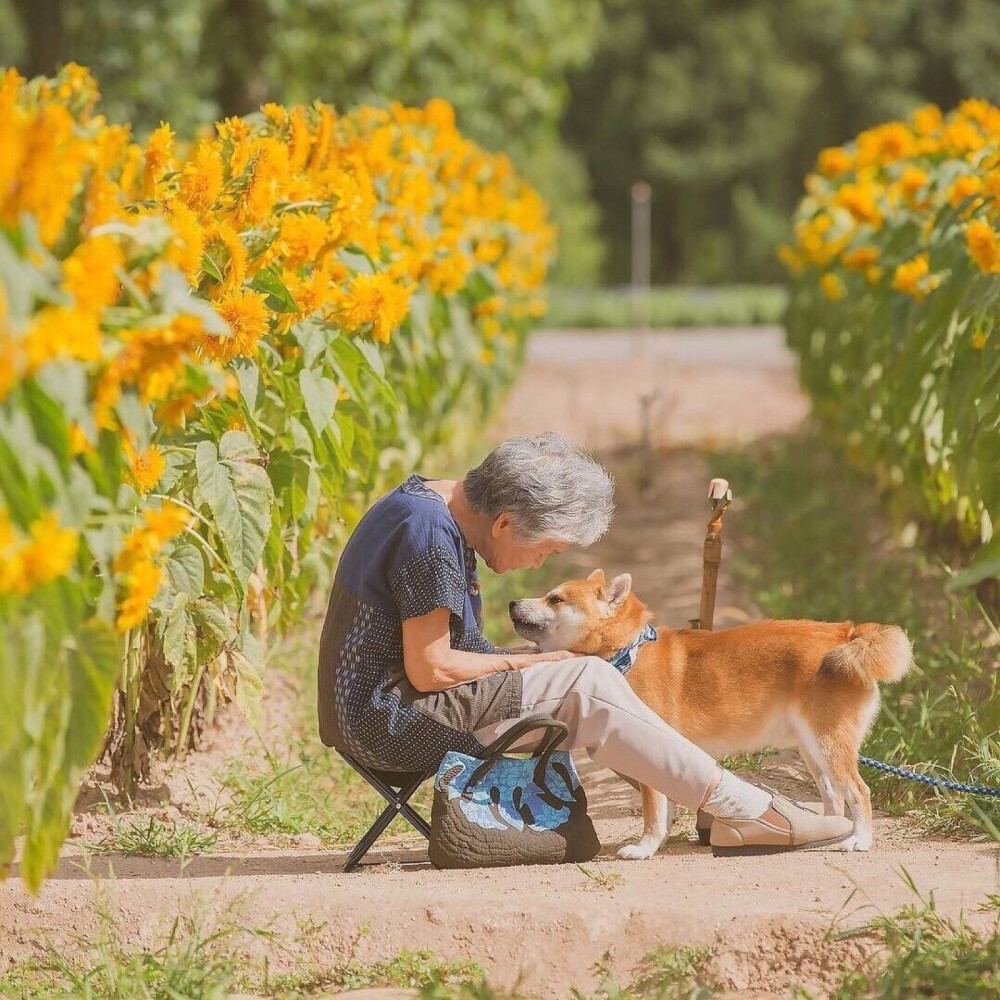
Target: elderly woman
(406, 674)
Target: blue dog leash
(926, 779)
(624, 660)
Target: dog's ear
(597, 577)
(619, 588)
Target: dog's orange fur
(807, 684)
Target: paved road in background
(702, 387)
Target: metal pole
(642, 196)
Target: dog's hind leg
(813, 757)
(838, 743)
(657, 817)
(842, 762)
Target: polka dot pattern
(367, 706)
(428, 581)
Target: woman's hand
(556, 655)
(538, 656)
(432, 665)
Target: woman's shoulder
(415, 512)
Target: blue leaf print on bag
(507, 796)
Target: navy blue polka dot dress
(406, 558)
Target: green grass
(743, 762)
(420, 970)
(925, 954)
(306, 789)
(668, 973)
(611, 308)
(210, 958)
(156, 839)
(814, 542)
(917, 952)
(195, 960)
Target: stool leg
(374, 832)
(406, 810)
(398, 804)
(416, 820)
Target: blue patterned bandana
(624, 660)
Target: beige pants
(607, 719)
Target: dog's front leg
(657, 817)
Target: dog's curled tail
(872, 653)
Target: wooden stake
(720, 496)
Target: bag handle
(556, 732)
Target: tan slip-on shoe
(786, 826)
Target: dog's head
(589, 616)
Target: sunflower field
(895, 313)
(212, 353)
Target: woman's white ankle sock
(734, 798)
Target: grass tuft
(155, 839)
(925, 954)
(419, 970)
(601, 878)
(305, 789)
(195, 961)
(668, 973)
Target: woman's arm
(432, 665)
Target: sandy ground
(768, 920)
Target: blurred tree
(722, 106)
(236, 40)
(504, 66)
(41, 22)
(146, 55)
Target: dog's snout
(511, 605)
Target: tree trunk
(237, 33)
(42, 20)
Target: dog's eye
(555, 599)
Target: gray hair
(551, 490)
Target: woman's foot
(746, 819)
(784, 826)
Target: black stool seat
(396, 787)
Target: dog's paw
(856, 842)
(637, 852)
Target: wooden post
(720, 496)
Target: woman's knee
(595, 675)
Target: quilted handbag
(498, 810)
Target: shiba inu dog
(803, 684)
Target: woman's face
(507, 552)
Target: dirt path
(766, 919)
